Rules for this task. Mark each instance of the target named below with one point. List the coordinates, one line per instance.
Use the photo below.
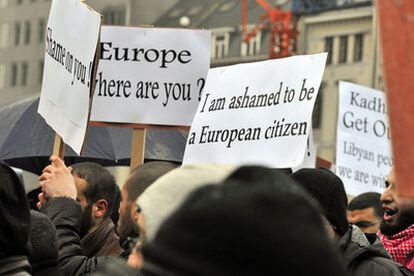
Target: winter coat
(102, 241)
(362, 258)
(15, 265)
(65, 213)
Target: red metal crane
(282, 28)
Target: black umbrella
(26, 141)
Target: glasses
(366, 224)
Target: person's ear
(100, 208)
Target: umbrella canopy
(26, 141)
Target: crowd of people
(171, 220)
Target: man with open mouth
(397, 227)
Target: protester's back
(15, 224)
(44, 257)
(265, 226)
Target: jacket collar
(354, 243)
(95, 240)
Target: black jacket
(362, 258)
(65, 213)
(15, 265)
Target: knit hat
(329, 191)
(14, 215)
(262, 226)
(160, 199)
(44, 243)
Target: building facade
(349, 35)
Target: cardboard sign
(363, 151)
(256, 113)
(71, 39)
(150, 75)
(398, 59)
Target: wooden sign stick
(59, 146)
(137, 147)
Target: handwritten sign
(71, 41)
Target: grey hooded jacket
(362, 258)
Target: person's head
(44, 243)
(14, 215)
(399, 212)
(160, 199)
(139, 179)
(329, 191)
(365, 212)
(264, 225)
(98, 193)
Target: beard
(403, 221)
(86, 221)
(127, 229)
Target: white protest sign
(363, 151)
(71, 40)
(150, 75)
(256, 113)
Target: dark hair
(144, 175)
(367, 200)
(100, 185)
(14, 215)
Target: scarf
(102, 241)
(401, 246)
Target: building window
(114, 16)
(17, 28)
(24, 73)
(343, 48)
(40, 78)
(2, 76)
(252, 47)
(41, 35)
(19, 2)
(4, 33)
(329, 48)
(13, 81)
(358, 47)
(220, 47)
(227, 6)
(26, 32)
(317, 110)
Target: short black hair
(144, 175)
(367, 200)
(101, 184)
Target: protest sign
(150, 75)
(363, 152)
(309, 161)
(71, 41)
(256, 113)
(398, 68)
